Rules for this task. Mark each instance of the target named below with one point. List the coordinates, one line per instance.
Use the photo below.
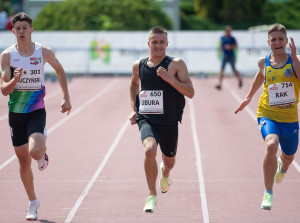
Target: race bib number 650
(151, 102)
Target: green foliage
(5, 6)
(102, 15)
(241, 14)
(191, 20)
(287, 13)
(143, 14)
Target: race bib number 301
(281, 94)
(30, 80)
(151, 102)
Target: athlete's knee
(272, 148)
(150, 152)
(150, 148)
(25, 163)
(37, 145)
(272, 145)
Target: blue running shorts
(287, 133)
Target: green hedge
(102, 15)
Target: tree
(287, 13)
(194, 19)
(102, 15)
(238, 13)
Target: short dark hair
(227, 27)
(158, 30)
(277, 27)
(20, 17)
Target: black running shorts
(22, 125)
(165, 136)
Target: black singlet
(174, 102)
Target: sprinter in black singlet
(158, 107)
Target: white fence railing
(114, 52)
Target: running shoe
(240, 83)
(279, 175)
(267, 201)
(164, 182)
(150, 204)
(218, 87)
(31, 214)
(43, 163)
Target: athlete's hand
(66, 106)
(163, 73)
(228, 47)
(293, 48)
(243, 105)
(18, 73)
(133, 118)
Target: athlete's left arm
(177, 75)
(295, 58)
(49, 56)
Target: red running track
(96, 161)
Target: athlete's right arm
(134, 90)
(7, 83)
(257, 82)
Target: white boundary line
(199, 164)
(7, 162)
(71, 115)
(97, 172)
(3, 117)
(252, 115)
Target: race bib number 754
(281, 94)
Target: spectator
(3, 19)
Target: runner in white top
(22, 79)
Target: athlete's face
(277, 41)
(157, 44)
(22, 30)
(227, 32)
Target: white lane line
(252, 115)
(3, 117)
(97, 172)
(84, 105)
(199, 164)
(71, 115)
(7, 162)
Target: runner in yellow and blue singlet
(277, 111)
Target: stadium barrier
(113, 53)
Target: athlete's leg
(286, 161)
(221, 76)
(236, 73)
(150, 165)
(270, 160)
(169, 163)
(221, 73)
(37, 145)
(289, 141)
(22, 152)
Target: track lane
(57, 143)
(119, 193)
(231, 166)
(233, 151)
